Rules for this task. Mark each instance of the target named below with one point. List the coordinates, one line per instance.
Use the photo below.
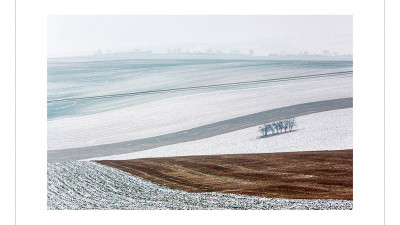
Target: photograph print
(200, 112)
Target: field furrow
(88, 185)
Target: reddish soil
(294, 175)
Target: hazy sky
(74, 35)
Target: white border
(368, 111)
(7, 118)
(392, 166)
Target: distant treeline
(277, 127)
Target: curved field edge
(182, 113)
(198, 132)
(294, 175)
(88, 185)
(328, 130)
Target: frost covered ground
(88, 185)
(185, 112)
(330, 130)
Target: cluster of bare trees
(276, 127)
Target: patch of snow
(186, 112)
(330, 130)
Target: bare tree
(286, 123)
(275, 126)
(292, 123)
(280, 125)
(264, 130)
(269, 127)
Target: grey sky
(74, 35)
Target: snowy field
(88, 185)
(77, 78)
(330, 130)
(181, 113)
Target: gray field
(88, 185)
(198, 132)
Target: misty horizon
(217, 35)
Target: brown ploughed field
(293, 175)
